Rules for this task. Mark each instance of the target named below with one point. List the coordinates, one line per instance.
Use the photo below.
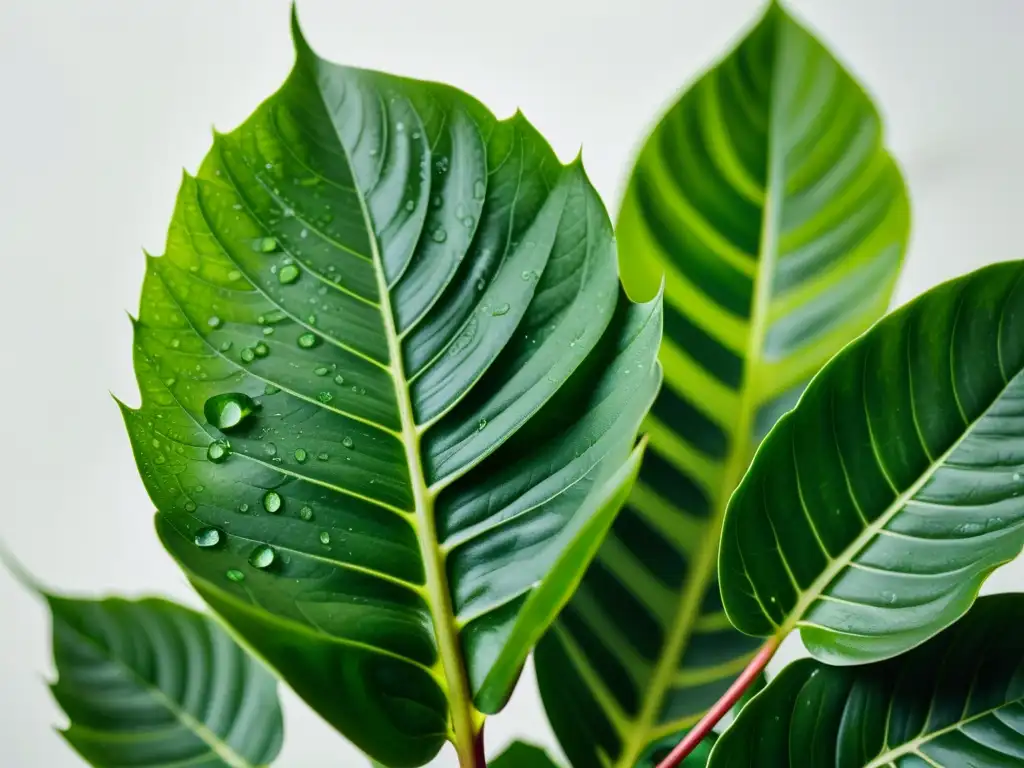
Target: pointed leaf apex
(302, 46)
(19, 572)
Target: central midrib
(701, 575)
(461, 711)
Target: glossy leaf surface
(386, 359)
(956, 701)
(519, 754)
(875, 510)
(151, 684)
(767, 200)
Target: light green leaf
(391, 386)
(149, 683)
(767, 200)
(875, 510)
(956, 701)
(519, 754)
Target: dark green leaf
(875, 510)
(434, 384)
(766, 198)
(150, 683)
(519, 754)
(956, 701)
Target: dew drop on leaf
(439, 235)
(270, 389)
(214, 322)
(218, 451)
(324, 397)
(308, 340)
(228, 410)
(479, 188)
(270, 449)
(235, 575)
(322, 456)
(262, 557)
(288, 274)
(234, 275)
(325, 537)
(272, 502)
(301, 455)
(348, 442)
(225, 346)
(190, 506)
(267, 244)
(243, 507)
(261, 350)
(481, 424)
(501, 309)
(207, 537)
(321, 370)
(306, 513)
(339, 379)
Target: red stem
(722, 706)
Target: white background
(102, 102)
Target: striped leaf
(150, 684)
(876, 509)
(766, 199)
(954, 702)
(390, 392)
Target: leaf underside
(956, 701)
(766, 198)
(877, 508)
(420, 305)
(152, 684)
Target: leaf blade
(918, 476)
(766, 198)
(417, 305)
(149, 681)
(949, 702)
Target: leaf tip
(302, 46)
(19, 572)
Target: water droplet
(501, 309)
(481, 424)
(272, 502)
(889, 597)
(288, 274)
(325, 537)
(399, 126)
(247, 355)
(175, 343)
(480, 284)
(441, 164)
(262, 557)
(324, 397)
(339, 379)
(301, 455)
(528, 274)
(267, 244)
(243, 507)
(228, 410)
(439, 235)
(410, 205)
(217, 451)
(322, 370)
(234, 275)
(308, 340)
(268, 331)
(270, 389)
(235, 575)
(225, 346)
(270, 449)
(261, 350)
(190, 506)
(1016, 477)
(306, 513)
(479, 189)
(468, 222)
(347, 442)
(304, 233)
(437, 202)
(214, 322)
(207, 537)
(311, 319)
(322, 456)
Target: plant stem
(722, 706)
(472, 755)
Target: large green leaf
(150, 683)
(875, 510)
(767, 200)
(956, 701)
(390, 378)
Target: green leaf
(875, 510)
(767, 200)
(519, 754)
(956, 701)
(148, 683)
(391, 387)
